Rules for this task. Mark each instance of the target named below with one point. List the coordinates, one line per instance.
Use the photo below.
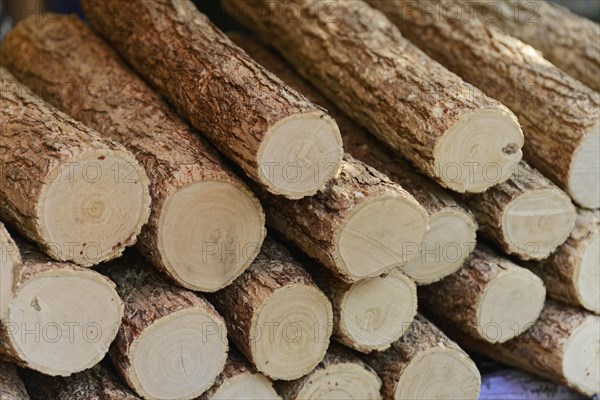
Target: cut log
(98, 383)
(490, 298)
(172, 343)
(526, 216)
(239, 380)
(372, 313)
(567, 40)
(559, 115)
(62, 318)
(562, 346)
(451, 234)
(10, 269)
(572, 273)
(281, 140)
(340, 375)
(80, 198)
(361, 225)
(276, 315)
(449, 130)
(205, 225)
(11, 385)
(425, 364)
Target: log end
(246, 385)
(581, 360)
(94, 206)
(587, 274)
(209, 234)
(299, 154)
(479, 151)
(450, 240)
(584, 171)
(10, 267)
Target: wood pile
(419, 210)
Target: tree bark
(276, 315)
(63, 61)
(562, 346)
(567, 40)
(560, 116)
(451, 226)
(424, 363)
(160, 317)
(571, 272)
(361, 225)
(339, 375)
(526, 216)
(98, 383)
(43, 330)
(350, 51)
(11, 385)
(64, 187)
(214, 85)
(490, 298)
(10, 269)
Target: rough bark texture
(62, 60)
(314, 223)
(210, 81)
(11, 385)
(11, 258)
(37, 140)
(559, 271)
(569, 41)
(326, 43)
(555, 110)
(98, 383)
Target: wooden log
(567, 40)
(361, 225)
(62, 318)
(571, 272)
(276, 315)
(239, 380)
(526, 216)
(172, 343)
(205, 225)
(282, 141)
(340, 375)
(425, 364)
(11, 385)
(559, 115)
(562, 346)
(452, 227)
(97, 383)
(80, 198)
(490, 298)
(449, 130)
(10, 269)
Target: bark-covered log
(425, 364)
(239, 380)
(560, 116)
(356, 57)
(340, 375)
(361, 225)
(562, 346)
(98, 383)
(79, 197)
(276, 315)
(567, 40)
(451, 234)
(10, 269)
(205, 225)
(11, 385)
(62, 318)
(526, 216)
(172, 343)
(280, 139)
(571, 272)
(490, 298)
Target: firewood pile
(430, 183)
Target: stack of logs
(450, 126)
